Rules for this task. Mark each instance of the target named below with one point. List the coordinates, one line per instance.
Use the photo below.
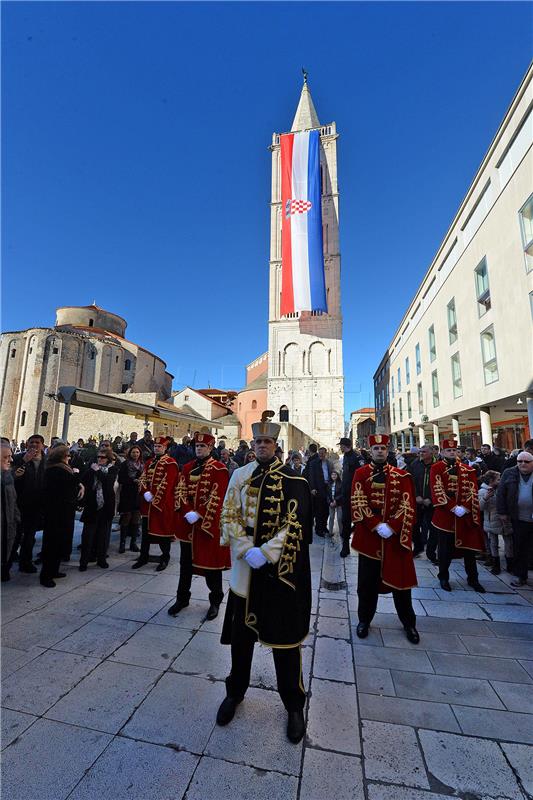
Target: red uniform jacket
(160, 476)
(393, 503)
(202, 488)
(459, 489)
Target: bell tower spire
(306, 116)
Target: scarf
(134, 469)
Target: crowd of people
(253, 510)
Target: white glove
(148, 496)
(459, 511)
(192, 517)
(255, 558)
(384, 530)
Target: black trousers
(523, 545)
(346, 522)
(55, 544)
(368, 583)
(213, 578)
(147, 540)
(432, 543)
(422, 527)
(446, 549)
(29, 528)
(320, 512)
(287, 661)
(95, 537)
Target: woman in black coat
(130, 516)
(62, 491)
(99, 508)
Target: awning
(74, 396)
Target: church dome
(91, 317)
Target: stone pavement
(106, 696)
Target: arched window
(91, 323)
(290, 360)
(127, 364)
(283, 414)
(254, 403)
(44, 419)
(22, 419)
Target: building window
(399, 380)
(409, 408)
(392, 386)
(482, 287)
(488, 353)
(124, 388)
(417, 359)
(91, 323)
(526, 225)
(44, 419)
(420, 398)
(435, 388)
(186, 397)
(127, 364)
(400, 409)
(91, 355)
(254, 403)
(22, 419)
(393, 414)
(452, 321)
(407, 371)
(13, 352)
(55, 350)
(284, 414)
(456, 376)
(432, 344)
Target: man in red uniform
(199, 498)
(383, 512)
(456, 517)
(157, 485)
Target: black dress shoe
(345, 550)
(212, 612)
(163, 564)
(48, 583)
(445, 585)
(60, 575)
(518, 583)
(362, 630)
(29, 568)
(412, 635)
(226, 710)
(139, 563)
(477, 587)
(295, 726)
(82, 567)
(102, 564)
(134, 548)
(177, 607)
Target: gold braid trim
(180, 493)
(440, 492)
(291, 545)
(406, 509)
(212, 507)
(231, 520)
(469, 494)
(156, 502)
(359, 502)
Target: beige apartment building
(461, 360)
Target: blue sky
(135, 168)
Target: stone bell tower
(305, 371)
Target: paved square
(105, 695)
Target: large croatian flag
(303, 286)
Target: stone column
(455, 428)
(486, 427)
(411, 438)
(403, 441)
(421, 435)
(435, 433)
(395, 440)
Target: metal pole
(66, 420)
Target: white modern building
(461, 360)
(305, 371)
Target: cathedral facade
(305, 369)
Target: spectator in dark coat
(9, 508)
(350, 462)
(511, 461)
(182, 453)
(99, 508)
(129, 474)
(514, 503)
(147, 445)
(28, 469)
(334, 498)
(423, 533)
(62, 491)
(493, 458)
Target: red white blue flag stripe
(303, 286)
